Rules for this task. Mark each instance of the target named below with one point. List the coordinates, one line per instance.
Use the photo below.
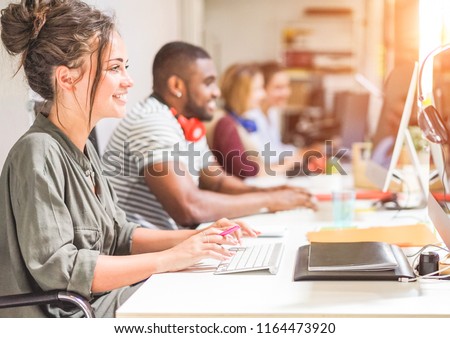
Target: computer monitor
(438, 204)
(382, 166)
(439, 188)
(438, 193)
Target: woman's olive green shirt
(53, 226)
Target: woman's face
(278, 90)
(257, 92)
(111, 95)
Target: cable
(414, 263)
(408, 196)
(431, 275)
(436, 245)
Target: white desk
(202, 294)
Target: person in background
(267, 117)
(283, 157)
(230, 134)
(61, 228)
(158, 158)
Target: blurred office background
(338, 53)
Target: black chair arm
(48, 297)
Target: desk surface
(259, 294)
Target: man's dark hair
(174, 58)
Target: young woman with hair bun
(60, 227)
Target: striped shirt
(149, 134)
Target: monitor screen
(439, 198)
(439, 191)
(388, 141)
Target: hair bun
(19, 23)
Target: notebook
(351, 256)
(301, 272)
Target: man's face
(202, 90)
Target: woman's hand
(245, 230)
(206, 244)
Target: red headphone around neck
(193, 128)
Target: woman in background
(61, 228)
(285, 158)
(277, 85)
(230, 134)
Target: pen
(230, 230)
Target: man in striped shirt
(161, 168)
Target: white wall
(14, 119)
(145, 27)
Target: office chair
(47, 297)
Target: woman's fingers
(217, 239)
(215, 235)
(247, 230)
(214, 250)
(224, 224)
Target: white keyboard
(250, 258)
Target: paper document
(401, 235)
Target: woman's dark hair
(55, 33)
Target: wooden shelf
(328, 11)
(314, 51)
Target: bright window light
(434, 31)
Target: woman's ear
(176, 86)
(66, 77)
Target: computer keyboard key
(253, 257)
(258, 257)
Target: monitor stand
(411, 198)
(403, 201)
(414, 199)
